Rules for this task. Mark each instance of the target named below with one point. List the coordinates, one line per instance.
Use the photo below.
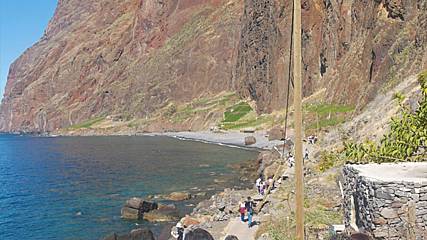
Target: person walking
(249, 205)
(242, 210)
(262, 188)
(258, 184)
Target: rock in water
(134, 202)
(136, 234)
(141, 234)
(179, 196)
(136, 207)
(198, 234)
(161, 216)
(131, 213)
(250, 140)
(148, 206)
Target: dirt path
(240, 230)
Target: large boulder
(178, 196)
(198, 234)
(135, 208)
(139, 203)
(161, 215)
(190, 221)
(131, 213)
(136, 234)
(134, 202)
(141, 234)
(271, 170)
(250, 140)
(166, 206)
(276, 133)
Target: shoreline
(224, 138)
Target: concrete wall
(388, 210)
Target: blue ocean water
(74, 187)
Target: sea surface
(74, 187)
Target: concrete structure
(387, 200)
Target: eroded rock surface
(132, 57)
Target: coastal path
(240, 229)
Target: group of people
(262, 185)
(246, 207)
(291, 158)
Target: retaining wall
(386, 209)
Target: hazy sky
(22, 23)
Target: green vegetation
(236, 112)
(328, 160)
(180, 113)
(250, 120)
(317, 216)
(322, 115)
(87, 124)
(406, 141)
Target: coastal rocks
(276, 133)
(190, 221)
(271, 170)
(135, 208)
(136, 234)
(266, 159)
(222, 206)
(178, 196)
(250, 140)
(166, 206)
(131, 213)
(165, 215)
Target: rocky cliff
(134, 57)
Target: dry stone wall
(387, 210)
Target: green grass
(323, 115)
(324, 108)
(87, 124)
(236, 112)
(204, 105)
(247, 122)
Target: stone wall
(386, 209)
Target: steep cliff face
(134, 57)
(352, 48)
(128, 57)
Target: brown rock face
(350, 47)
(129, 57)
(133, 57)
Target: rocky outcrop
(127, 57)
(136, 234)
(132, 58)
(250, 140)
(350, 48)
(178, 196)
(135, 208)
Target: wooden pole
(299, 165)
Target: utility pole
(299, 165)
